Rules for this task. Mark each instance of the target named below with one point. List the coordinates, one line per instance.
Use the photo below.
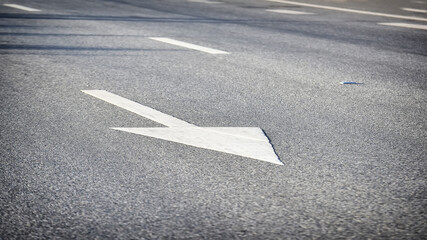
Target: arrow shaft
(139, 109)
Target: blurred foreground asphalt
(354, 155)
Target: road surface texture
(353, 157)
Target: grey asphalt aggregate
(354, 155)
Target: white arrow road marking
(22, 7)
(248, 142)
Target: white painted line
(406, 25)
(189, 45)
(419, 2)
(204, 1)
(137, 108)
(351, 10)
(287, 11)
(21, 7)
(248, 142)
(414, 10)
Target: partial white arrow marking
(139, 109)
(248, 142)
(222, 140)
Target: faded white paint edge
(288, 11)
(351, 10)
(21, 7)
(139, 109)
(414, 10)
(406, 25)
(188, 45)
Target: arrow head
(246, 142)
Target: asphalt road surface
(348, 161)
